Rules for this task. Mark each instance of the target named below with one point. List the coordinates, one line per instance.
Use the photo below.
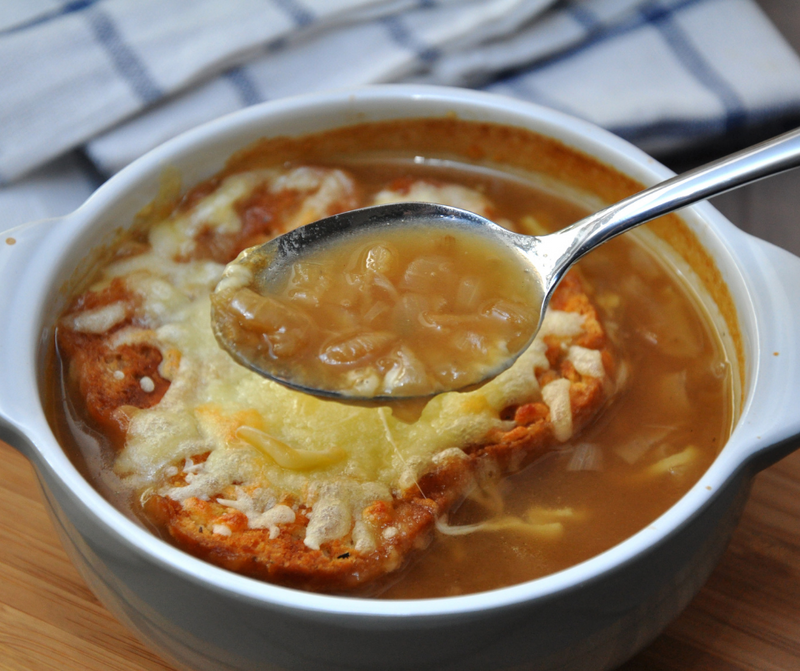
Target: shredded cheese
(556, 396)
(263, 437)
(98, 320)
(290, 457)
(588, 362)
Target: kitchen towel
(114, 78)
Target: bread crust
(108, 378)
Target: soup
(616, 409)
(384, 313)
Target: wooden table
(747, 617)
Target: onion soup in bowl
(616, 409)
(593, 614)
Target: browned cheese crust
(404, 526)
(108, 378)
(336, 566)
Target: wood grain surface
(747, 617)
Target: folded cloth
(72, 73)
(118, 77)
(669, 75)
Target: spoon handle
(768, 158)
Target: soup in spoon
(394, 312)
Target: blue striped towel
(113, 78)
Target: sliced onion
(427, 274)
(461, 530)
(675, 464)
(469, 341)
(288, 343)
(304, 297)
(354, 349)
(672, 393)
(406, 312)
(634, 450)
(308, 273)
(376, 310)
(546, 530)
(407, 374)
(468, 294)
(457, 321)
(507, 311)
(265, 314)
(382, 283)
(447, 244)
(586, 457)
(381, 259)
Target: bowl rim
(630, 161)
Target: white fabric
(665, 79)
(117, 77)
(52, 191)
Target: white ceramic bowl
(592, 616)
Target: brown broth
(672, 400)
(390, 313)
(676, 397)
(661, 349)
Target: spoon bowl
(543, 261)
(267, 268)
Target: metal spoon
(548, 257)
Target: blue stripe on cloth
(669, 128)
(125, 60)
(93, 173)
(245, 86)
(693, 61)
(404, 38)
(681, 129)
(688, 55)
(584, 17)
(302, 16)
(523, 89)
(67, 8)
(604, 34)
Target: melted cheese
(556, 395)
(98, 320)
(335, 458)
(175, 237)
(453, 195)
(587, 362)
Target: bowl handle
(773, 411)
(18, 248)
